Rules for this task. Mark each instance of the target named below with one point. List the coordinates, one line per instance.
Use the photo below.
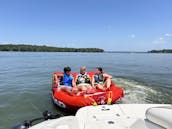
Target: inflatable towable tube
(66, 101)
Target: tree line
(36, 48)
(161, 51)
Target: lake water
(25, 79)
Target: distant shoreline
(149, 52)
(161, 51)
(124, 52)
(36, 48)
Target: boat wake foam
(135, 92)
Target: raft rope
(97, 93)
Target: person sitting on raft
(101, 80)
(66, 83)
(83, 81)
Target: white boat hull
(117, 116)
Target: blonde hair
(83, 68)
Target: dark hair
(100, 69)
(67, 69)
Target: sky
(113, 25)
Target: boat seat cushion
(161, 116)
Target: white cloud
(168, 35)
(161, 38)
(132, 36)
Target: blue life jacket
(67, 80)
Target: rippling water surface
(25, 79)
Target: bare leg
(108, 83)
(90, 89)
(67, 89)
(105, 86)
(82, 90)
(75, 90)
(101, 87)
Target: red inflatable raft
(63, 100)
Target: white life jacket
(83, 78)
